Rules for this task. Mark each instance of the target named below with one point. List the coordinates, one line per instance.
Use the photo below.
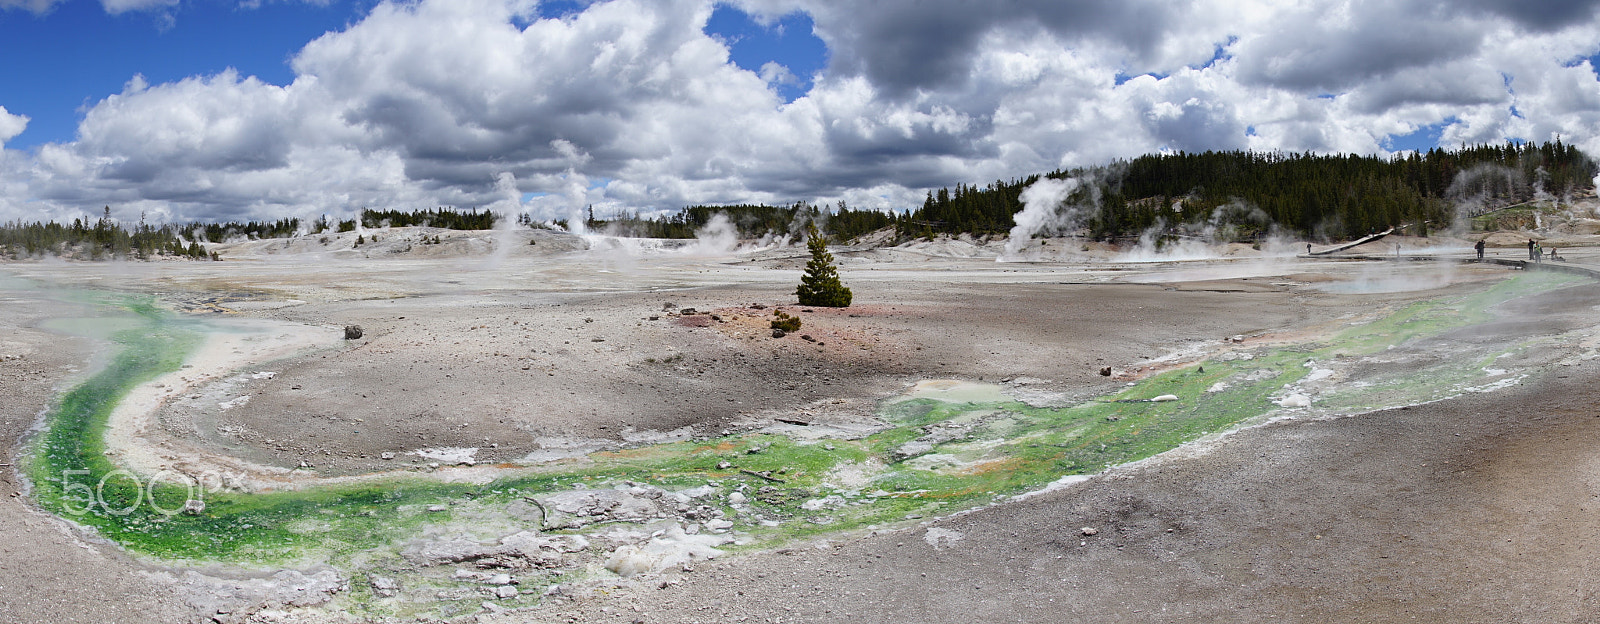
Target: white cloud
(35, 6)
(115, 7)
(11, 125)
(629, 105)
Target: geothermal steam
(1042, 211)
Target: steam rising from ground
(509, 204)
(1045, 211)
(717, 238)
(1209, 239)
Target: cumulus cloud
(11, 125)
(630, 105)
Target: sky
(208, 110)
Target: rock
(1294, 400)
(737, 498)
(437, 508)
(240, 598)
(386, 455)
(505, 591)
(384, 586)
(807, 338)
(778, 333)
(498, 579)
(940, 538)
(578, 508)
(1091, 531)
(1105, 371)
(428, 552)
(352, 332)
(1164, 398)
(194, 507)
(673, 548)
(688, 312)
(724, 465)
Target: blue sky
(54, 65)
(649, 105)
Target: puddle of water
(955, 391)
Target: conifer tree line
(1309, 195)
(1328, 196)
(751, 221)
(102, 239)
(105, 238)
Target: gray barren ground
(1472, 509)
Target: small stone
(194, 506)
(505, 591)
(386, 455)
(384, 586)
(724, 465)
(437, 508)
(352, 332)
(737, 498)
(778, 333)
(1105, 371)
(1091, 531)
(499, 579)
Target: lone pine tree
(820, 285)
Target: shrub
(785, 322)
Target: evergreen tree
(820, 285)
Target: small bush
(785, 322)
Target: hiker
(1538, 254)
(1554, 257)
(1308, 249)
(1530, 249)
(1479, 247)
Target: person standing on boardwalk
(1479, 247)
(1530, 249)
